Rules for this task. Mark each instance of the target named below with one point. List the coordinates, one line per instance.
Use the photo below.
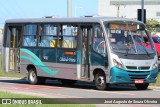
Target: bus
(103, 50)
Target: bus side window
(52, 43)
(99, 44)
(68, 36)
(29, 41)
(29, 38)
(66, 43)
(26, 41)
(48, 35)
(60, 40)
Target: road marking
(54, 95)
(111, 92)
(92, 90)
(31, 87)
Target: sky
(10, 9)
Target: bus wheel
(68, 82)
(33, 78)
(142, 86)
(100, 81)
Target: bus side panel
(28, 57)
(32, 57)
(64, 71)
(44, 68)
(66, 63)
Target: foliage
(152, 23)
(153, 26)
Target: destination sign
(123, 27)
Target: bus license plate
(138, 81)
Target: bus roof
(80, 19)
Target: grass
(9, 74)
(4, 94)
(12, 95)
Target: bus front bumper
(118, 76)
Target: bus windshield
(129, 38)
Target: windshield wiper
(128, 48)
(145, 49)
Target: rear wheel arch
(33, 77)
(30, 66)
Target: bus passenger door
(86, 34)
(67, 51)
(14, 34)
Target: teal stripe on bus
(36, 61)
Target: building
(128, 8)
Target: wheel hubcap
(32, 76)
(100, 81)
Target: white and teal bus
(103, 50)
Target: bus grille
(138, 74)
(138, 68)
(131, 67)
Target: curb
(12, 78)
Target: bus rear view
(132, 59)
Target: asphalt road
(54, 89)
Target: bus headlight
(155, 65)
(117, 64)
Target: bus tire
(142, 86)
(68, 82)
(100, 81)
(33, 78)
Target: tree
(153, 25)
